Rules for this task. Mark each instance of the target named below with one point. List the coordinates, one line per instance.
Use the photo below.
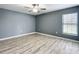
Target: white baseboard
(17, 36)
(56, 37)
(37, 33)
(46, 34)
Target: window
(69, 22)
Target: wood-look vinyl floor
(38, 44)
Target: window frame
(71, 23)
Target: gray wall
(14, 23)
(50, 23)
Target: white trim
(48, 35)
(56, 37)
(37, 33)
(17, 36)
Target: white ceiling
(49, 7)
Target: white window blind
(69, 22)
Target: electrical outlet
(56, 32)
